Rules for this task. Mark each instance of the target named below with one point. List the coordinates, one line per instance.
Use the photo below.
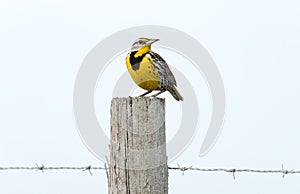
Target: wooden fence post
(138, 161)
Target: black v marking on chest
(136, 61)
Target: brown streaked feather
(163, 68)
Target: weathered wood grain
(138, 161)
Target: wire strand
(90, 168)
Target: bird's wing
(163, 68)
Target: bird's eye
(140, 41)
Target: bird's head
(142, 44)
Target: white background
(254, 43)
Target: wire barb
(88, 168)
(233, 172)
(285, 172)
(41, 168)
(183, 169)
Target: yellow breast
(143, 74)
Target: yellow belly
(146, 76)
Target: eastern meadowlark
(149, 70)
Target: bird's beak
(151, 41)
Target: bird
(149, 70)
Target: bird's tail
(175, 93)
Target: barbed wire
(91, 168)
(281, 171)
(43, 168)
